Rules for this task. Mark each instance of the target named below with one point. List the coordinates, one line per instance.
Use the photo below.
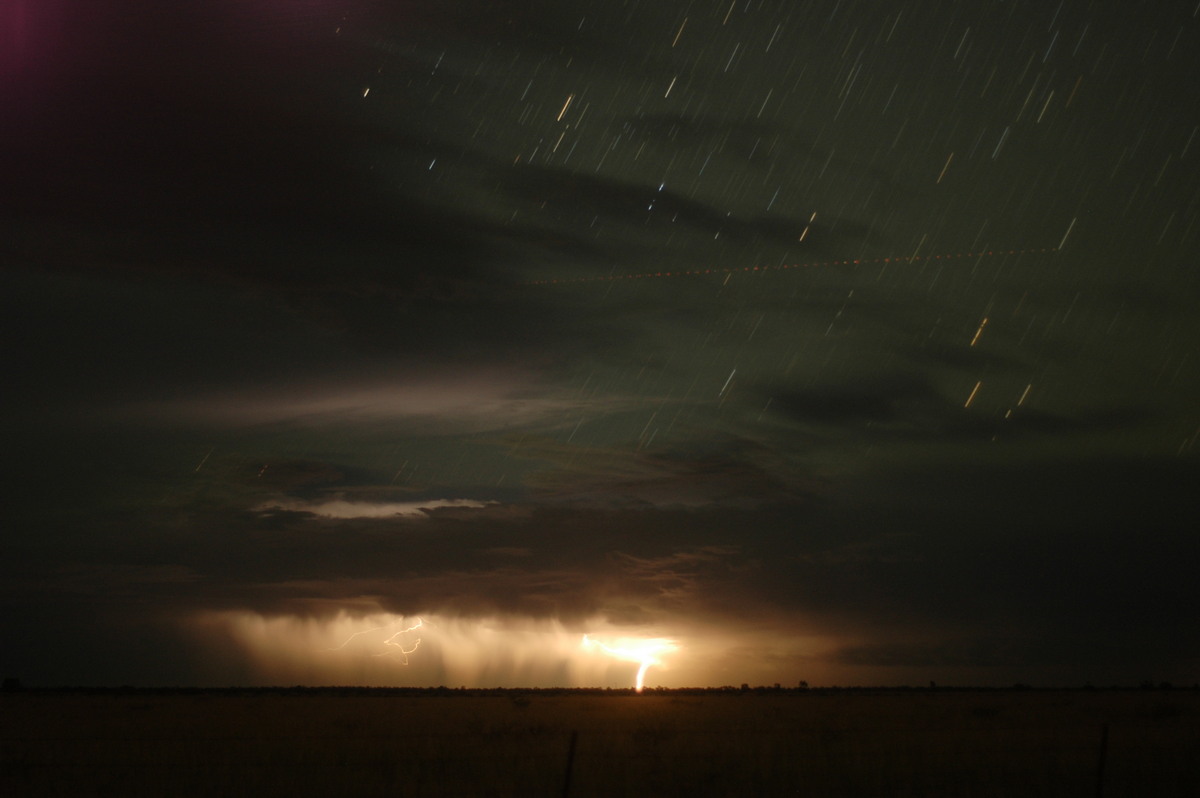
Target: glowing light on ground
(646, 652)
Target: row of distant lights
(784, 267)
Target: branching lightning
(394, 641)
(644, 652)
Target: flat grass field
(596, 743)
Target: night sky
(390, 342)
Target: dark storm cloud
(582, 197)
(875, 400)
(696, 130)
(960, 357)
(906, 406)
(572, 564)
(645, 213)
(714, 473)
(1006, 559)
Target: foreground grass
(815, 743)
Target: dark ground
(581, 743)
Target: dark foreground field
(816, 743)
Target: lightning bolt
(394, 641)
(644, 652)
(404, 652)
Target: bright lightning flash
(644, 651)
(393, 641)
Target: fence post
(1100, 764)
(566, 791)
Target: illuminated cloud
(475, 399)
(733, 472)
(340, 508)
(361, 644)
(387, 649)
